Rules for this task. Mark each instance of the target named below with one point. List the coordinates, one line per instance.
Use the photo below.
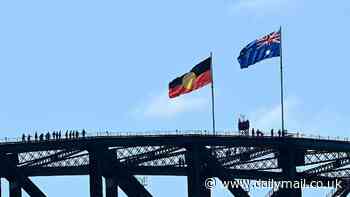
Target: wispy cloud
(323, 121)
(270, 117)
(160, 106)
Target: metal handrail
(177, 132)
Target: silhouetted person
(59, 135)
(28, 138)
(70, 134)
(271, 132)
(41, 137)
(253, 132)
(279, 132)
(66, 134)
(54, 135)
(83, 132)
(36, 136)
(23, 138)
(77, 134)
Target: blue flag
(260, 49)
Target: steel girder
(169, 156)
(196, 167)
(222, 173)
(126, 181)
(241, 157)
(16, 177)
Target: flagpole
(281, 75)
(212, 92)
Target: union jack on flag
(274, 37)
(260, 49)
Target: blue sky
(106, 65)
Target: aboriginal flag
(199, 76)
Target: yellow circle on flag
(188, 80)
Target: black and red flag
(199, 76)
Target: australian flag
(260, 49)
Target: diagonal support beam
(343, 190)
(50, 158)
(126, 181)
(17, 179)
(223, 174)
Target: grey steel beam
(111, 187)
(95, 172)
(148, 170)
(17, 179)
(126, 181)
(15, 189)
(287, 160)
(195, 175)
(223, 174)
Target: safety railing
(155, 133)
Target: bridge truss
(198, 157)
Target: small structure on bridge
(243, 125)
